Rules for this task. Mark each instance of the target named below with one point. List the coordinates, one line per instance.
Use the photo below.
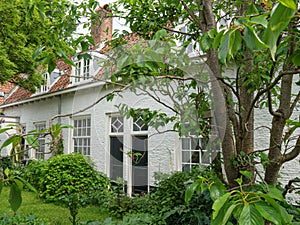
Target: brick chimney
(101, 28)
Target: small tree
(261, 39)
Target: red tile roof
(64, 80)
(6, 89)
(61, 83)
(19, 94)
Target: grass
(54, 214)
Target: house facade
(120, 147)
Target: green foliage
(5, 162)
(34, 171)
(64, 175)
(253, 205)
(166, 205)
(16, 183)
(21, 219)
(38, 33)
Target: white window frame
(205, 155)
(116, 133)
(82, 134)
(40, 152)
(83, 70)
(140, 132)
(45, 87)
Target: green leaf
(268, 212)
(159, 35)
(5, 129)
(296, 58)
(289, 4)
(37, 52)
(218, 204)
(235, 42)
(246, 173)
(205, 42)
(32, 141)
(216, 190)
(67, 126)
(280, 18)
(217, 39)
(228, 214)
(250, 215)
(13, 139)
(224, 47)
(190, 191)
(7, 172)
(261, 19)
(275, 193)
(251, 10)
(26, 183)
(15, 197)
(252, 40)
(285, 217)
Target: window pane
(139, 125)
(116, 157)
(81, 135)
(185, 156)
(195, 144)
(117, 124)
(186, 143)
(195, 157)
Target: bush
(34, 171)
(170, 204)
(64, 175)
(166, 205)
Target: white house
(119, 146)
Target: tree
(261, 40)
(36, 34)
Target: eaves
(46, 95)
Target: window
(82, 135)
(140, 156)
(82, 70)
(196, 150)
(24, 149)
(45, 87)
(40, 152)
(116, 146)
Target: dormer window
(45, 87)
(83, 70)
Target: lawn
(49, 212)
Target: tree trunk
(228, 148)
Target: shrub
(34, 171)
(167, 204)
(170, 204)
(64, 175)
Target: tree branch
(269, 87)
(292, 154)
